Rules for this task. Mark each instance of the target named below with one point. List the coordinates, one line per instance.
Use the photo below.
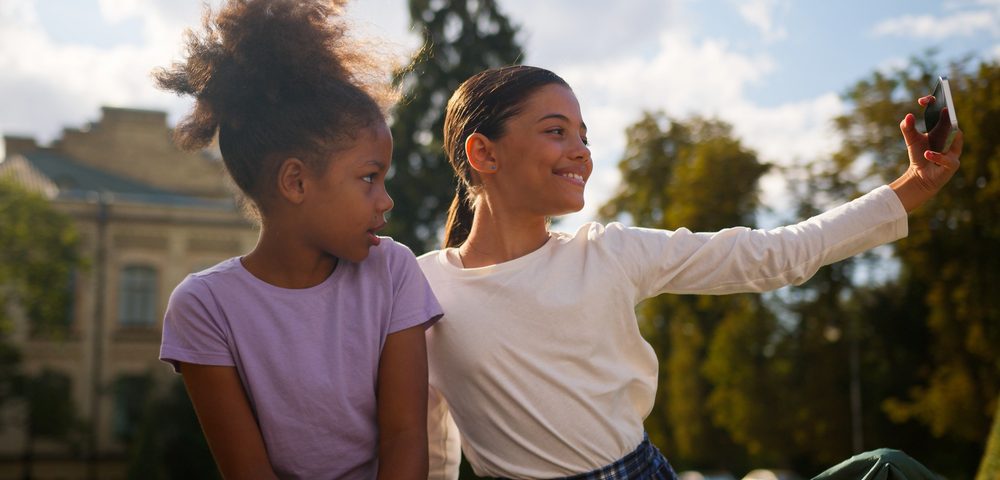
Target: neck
(498, 235)
(281, 259)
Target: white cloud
(557, 33)
(48, 84)
(761, 15)
(967, 23)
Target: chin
(567, 210)
(355, 256)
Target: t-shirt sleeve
(413, 301)
(193, 331)
(747, 260)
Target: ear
(479, 151)
(291, 180)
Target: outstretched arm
(228, 421)
(928, 170)
(402, 406)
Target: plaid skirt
(644, 463)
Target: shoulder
(593, 233)
(199, 284)
(391, 255)
(390, 249)
(429, 258)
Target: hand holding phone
(939, 117)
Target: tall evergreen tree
(461, 38)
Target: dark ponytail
(482, 104)
(460, 215)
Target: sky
(775, 69)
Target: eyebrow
(381, 165)
(562, 117)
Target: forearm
(227, 421)
(403, 456)
(402, 406)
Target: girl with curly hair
(304, 358)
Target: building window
(51, 412)
(137, 297)
(131, 393)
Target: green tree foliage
(818, 352)
(695, 174)
(950, 256)
(932, 337)
(461, 38)
(38, 255)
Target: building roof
(23, 173)
(77, 181)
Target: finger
(935, 158)
(909, 128)
(956, 144)
(949, 160)
(926, 100)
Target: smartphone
(939, 117)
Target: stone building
(147, 214)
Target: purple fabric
(308, 358)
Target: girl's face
(542, 159)
(349, 200)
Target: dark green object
(881, 464)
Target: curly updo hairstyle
(274, 79)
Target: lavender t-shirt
(308, 358)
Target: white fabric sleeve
(745, 260)
(444, 445)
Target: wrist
(912, 190)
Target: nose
(581, 151)
(385, 202)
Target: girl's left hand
(928, 170)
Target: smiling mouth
(575, 178)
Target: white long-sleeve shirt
(539, 359)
